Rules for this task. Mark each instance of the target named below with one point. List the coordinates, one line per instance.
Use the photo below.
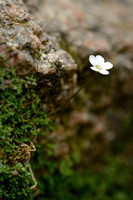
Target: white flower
(99, 64)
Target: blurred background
(89, 153)
(91, 150)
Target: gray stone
(31, 49)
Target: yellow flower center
(98, 67)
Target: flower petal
(100, 59)
(93, 60)
(108, 65)
(104, 72)
(95, 69)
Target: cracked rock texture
(39, 36)
(32, 50)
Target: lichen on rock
(31, 50)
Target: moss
(66, 179)
(23, 125)
(22, 121)
(15, 181)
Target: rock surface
(32, 51)
(85, 27)
(81, 27)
